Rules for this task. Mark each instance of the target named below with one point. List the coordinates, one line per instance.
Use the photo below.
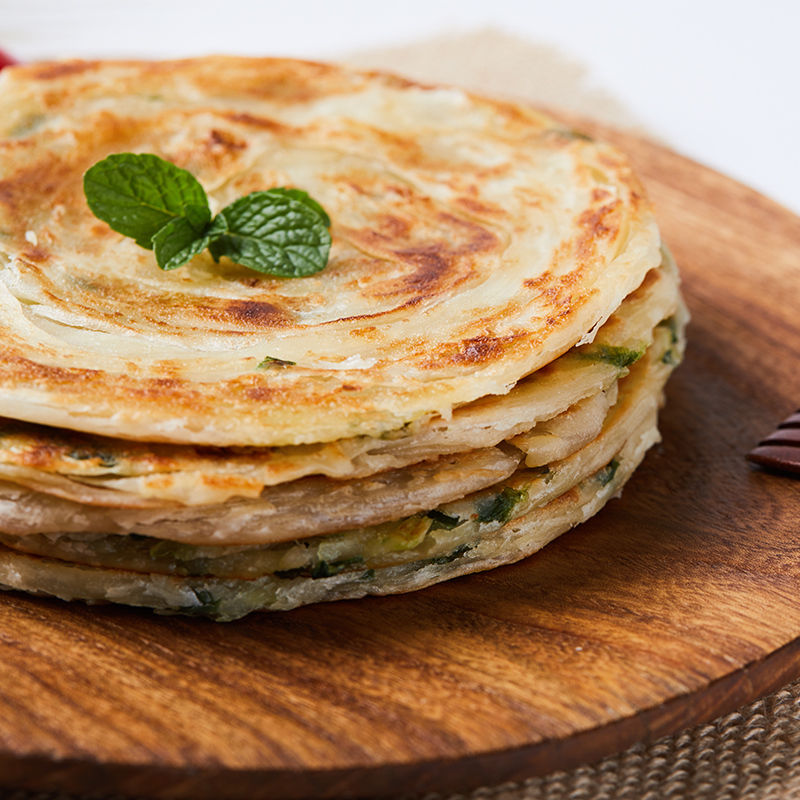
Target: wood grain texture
(677, 603)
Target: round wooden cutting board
(678, 602)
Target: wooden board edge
(723, 695)
(726, 694)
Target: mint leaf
(273, 232)
(280, 231)
(182, 238)
(138, 194)
(306, 199)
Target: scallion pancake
(477, 369)
(474, 241)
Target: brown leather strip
(779, 457)
(791, 422)
(780, 450)
(787, 436)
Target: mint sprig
(280, 231)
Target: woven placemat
(752, 754)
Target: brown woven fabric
(752, 754)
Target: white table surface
(717, 81)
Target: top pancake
(474, 241)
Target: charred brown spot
(231, 482)
(435, 259)
(296, 82)
(221, 140)
(477, 238)
(356, 187)
(27, 187)
(479, 348)
(471, 351)
(37, 454)
(250, 282)
(17, 369)
(36, 254)
(394, 226)
(431, 263)
(259, 393)
(49, 72)
(539, 282)
(400, 190)
(367, 332)
(597, 221)
(441, 259)
(264, 123)
(99, 229)
(160, 481)
(161, 390)
(257, 313)
(32, 371)
(477, 207)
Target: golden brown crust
(473, 242)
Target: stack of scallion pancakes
(476, 370)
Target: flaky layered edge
(500, 525)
